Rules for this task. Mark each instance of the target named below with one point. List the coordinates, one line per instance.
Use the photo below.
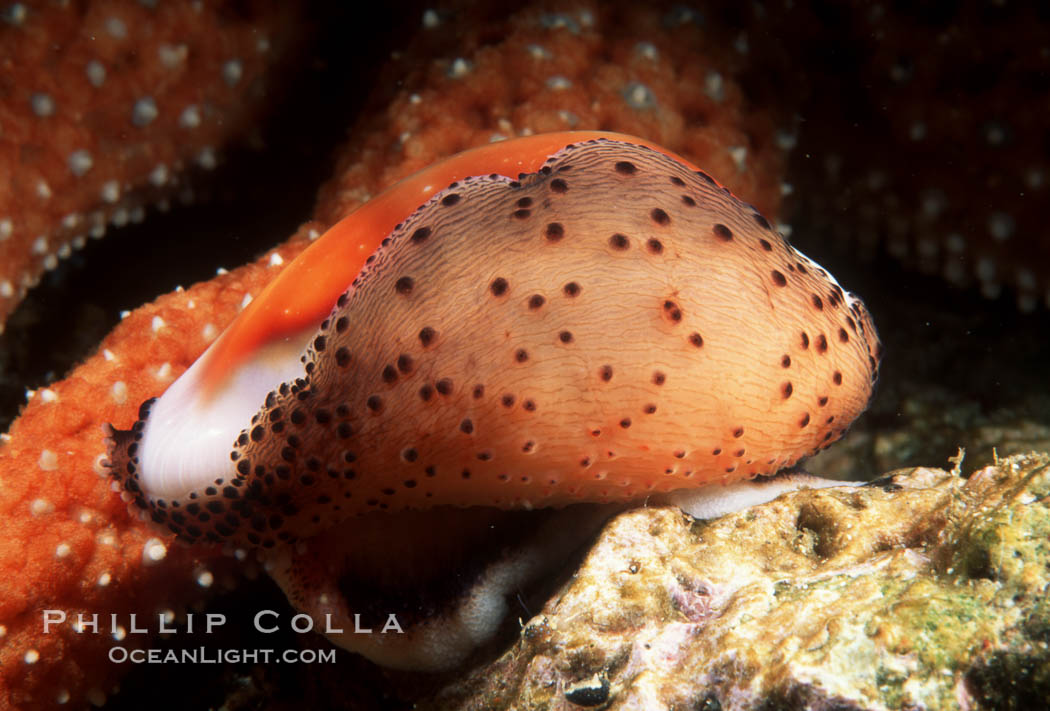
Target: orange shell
(611, 324)
(304, 293)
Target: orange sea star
(105, 105)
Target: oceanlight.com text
(205, 655)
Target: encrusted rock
(926, 590)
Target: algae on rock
(927, 592)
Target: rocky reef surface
(926, 590)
